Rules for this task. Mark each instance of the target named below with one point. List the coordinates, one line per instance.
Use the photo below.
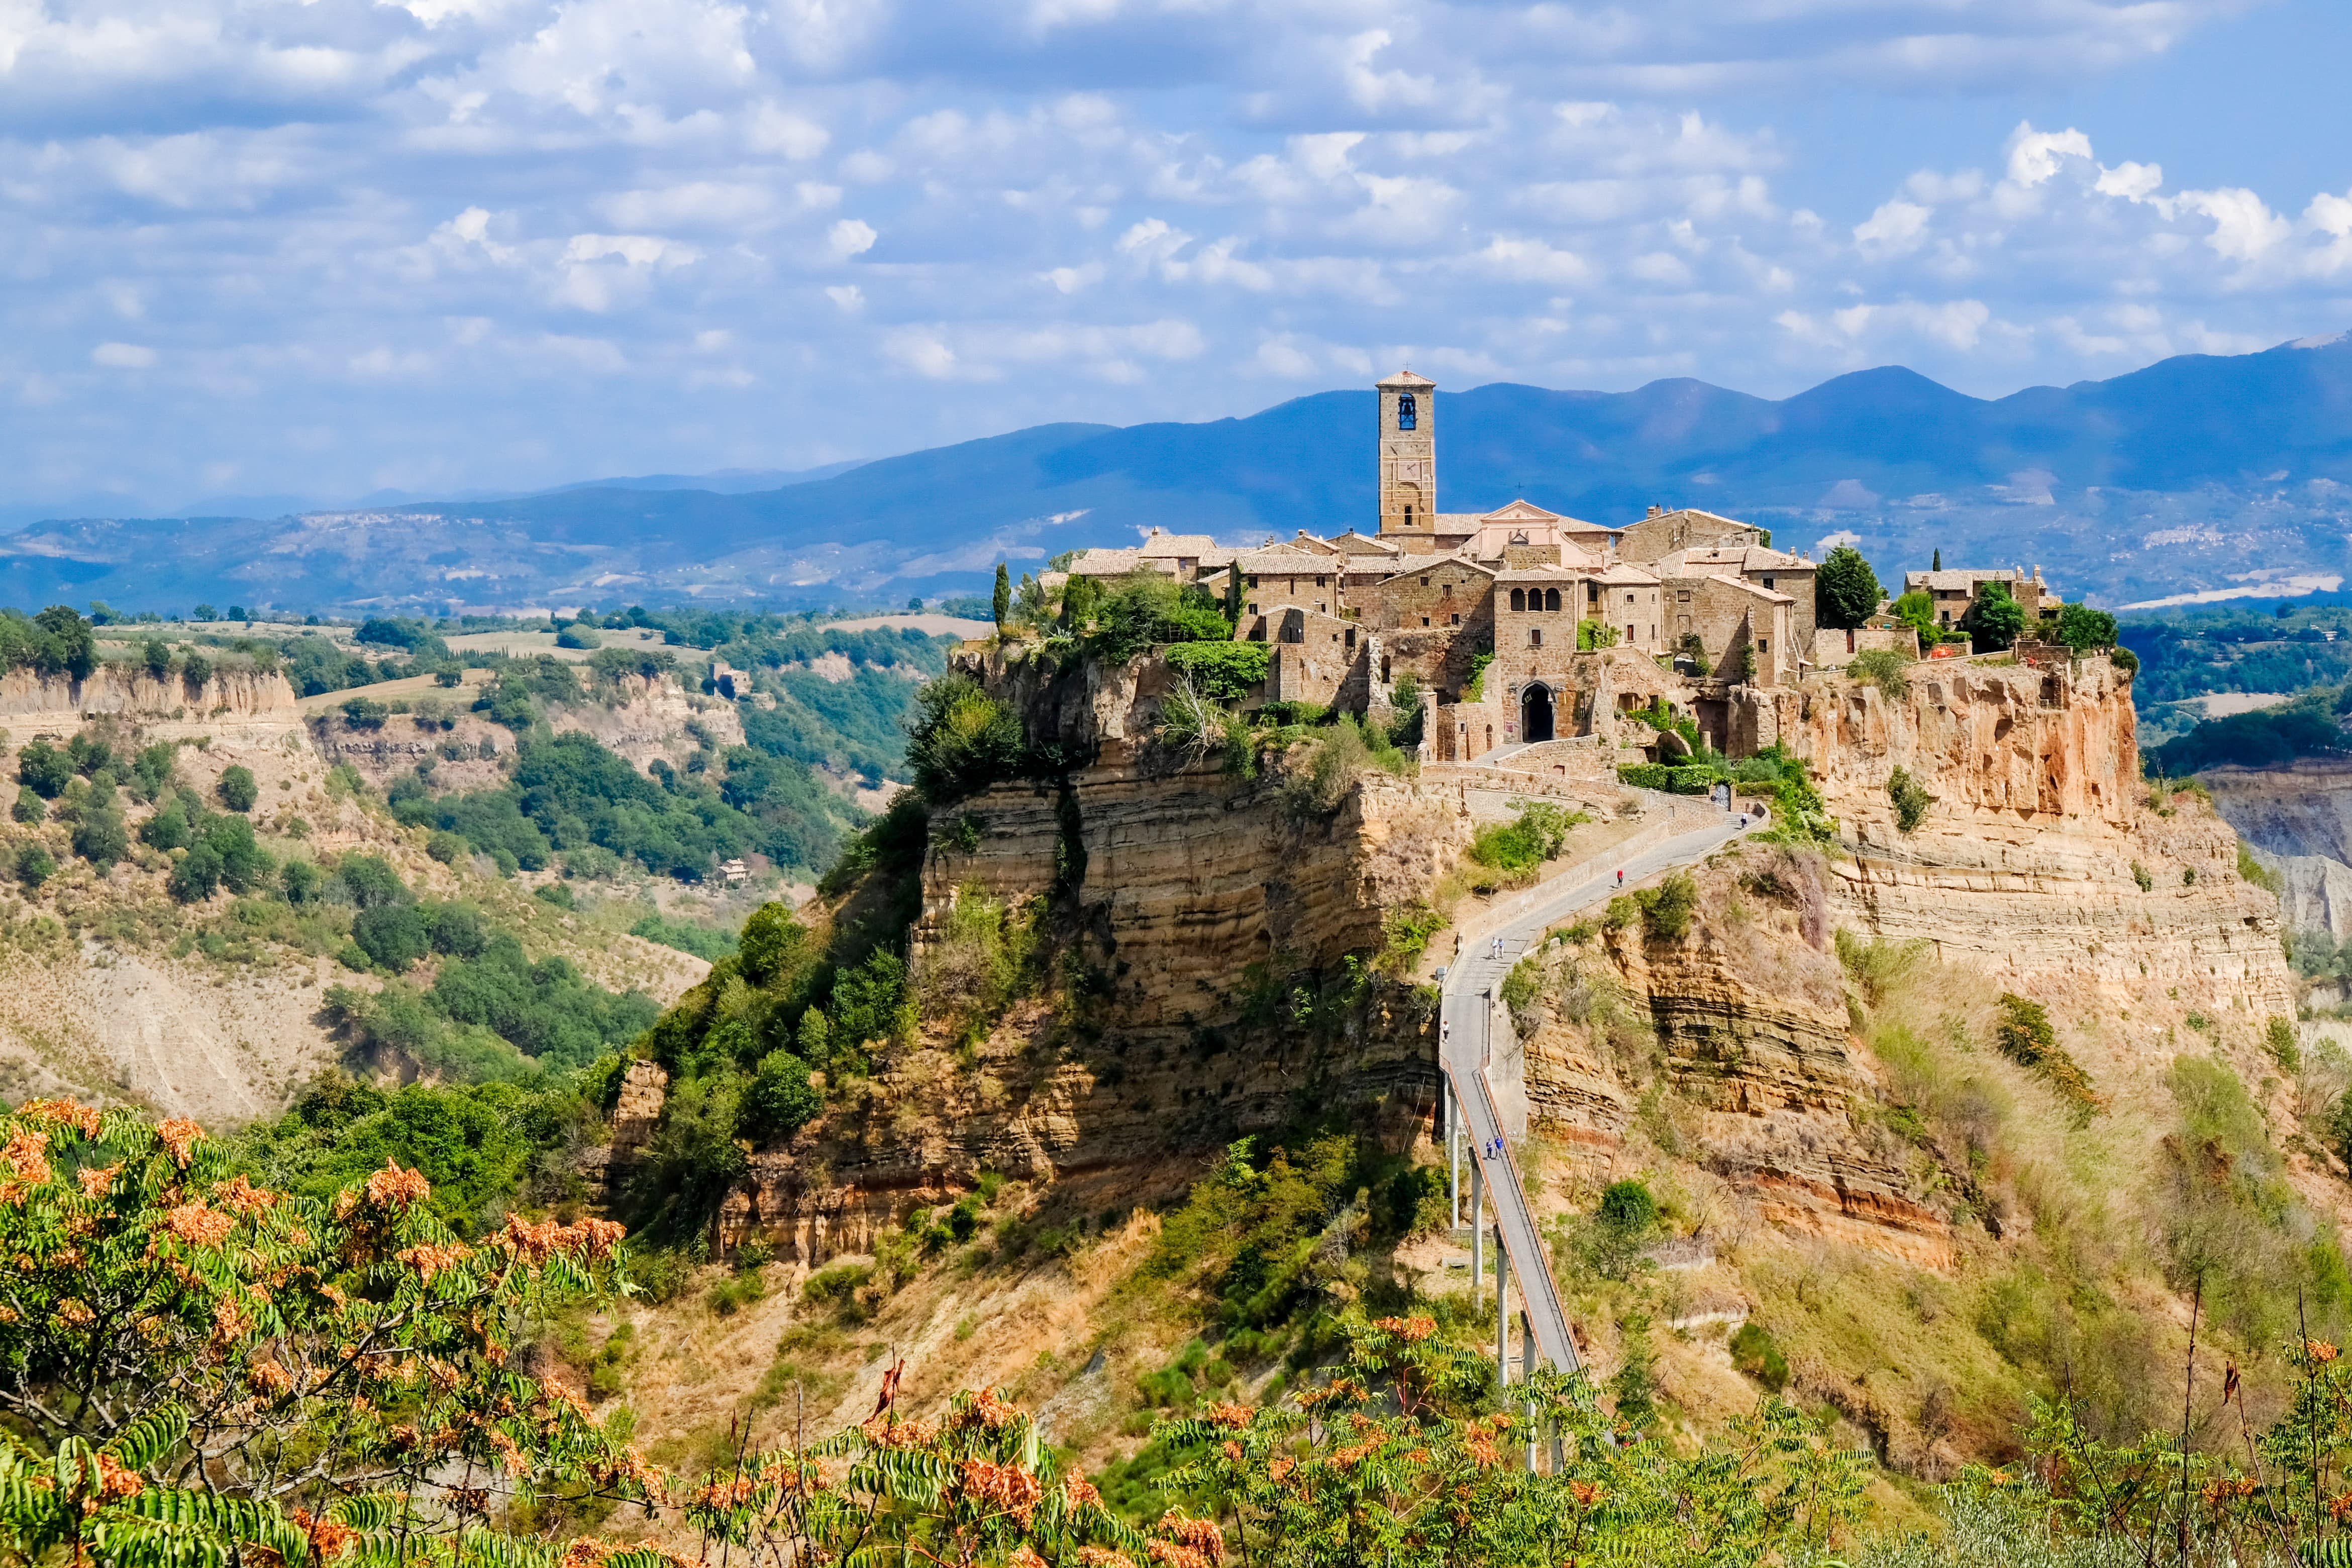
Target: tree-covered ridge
(2309, 726)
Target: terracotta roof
(1511, 574)
(1769, 595)
(1353, 543)
(1405, 381)
(1620, 572)
(1118, 563)
(1716, 560)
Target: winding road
(1471, 983)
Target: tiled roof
(1620, 572)
(1958, 580)
(1421, 566)
(1157, 544)
(1513, 574)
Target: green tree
(2085, 630)
(963, 739)
(393, 935)
(1995, 619)
(1937, 563)
(29, 806)
(1845, 590)
(1233, 592)
(33, 863)
(781, 1100)
(1001, 601)
(44, 769)
(237, 788)
(70, 647)
(158, 655)
(1917, 610)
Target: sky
(317, 250)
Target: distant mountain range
(2199, 475)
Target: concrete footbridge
(1688, 831)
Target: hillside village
(1520, 627)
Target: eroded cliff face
(236, 697)
(1201, 991)
(2031, 857)
(2298, 817)
(1728, 1046)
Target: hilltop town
(1520, 627)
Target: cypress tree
(1233, 594)
(1002, 604)
(1937, 564)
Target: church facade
(1514, 626)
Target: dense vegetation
(2190, 653)
(2310, 726)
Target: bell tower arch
(1407, 453)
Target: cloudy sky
(317, 248)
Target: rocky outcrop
(645, 718)
(2039, 854)
(129, 691)
(1744, 1021)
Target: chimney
(1654, 511)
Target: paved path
(1475, 975)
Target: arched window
(1551, 599)
(1408, 413)
(1518, 599)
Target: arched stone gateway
(1535, 713)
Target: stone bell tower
(1408, 460)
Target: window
(1253, 608)
(1518, 599)
(1551, 599)
(1318, 579)
(1424, 619)
(1682, 596)
(1763, 645)
(1767, 583)
(1454, 621)
(1629, 599)
(1535, 637)
(1253, 580)
(1408, 514)
(1629, 633)
(1425, 583)
(1408, 413)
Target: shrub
(1537, 835)
(578, 636)
(302, 883)
(33, 863)
(365, 713)
(1319, 773)
(1884, 668)
(781, 1100)
(1754, 1353)
(1628, 1208)
(445, 846)
(962, 740)
(1221, 671)
(43, 769)
(29, 806)
(2027, 1038)
(197, 876)
(100, 836)
(1666, 909)
(1474, 690)
(393, 935)
(2254, 871)
(1643, 775)
(236, 789)
(1910, 799)
(370, 882)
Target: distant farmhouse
(1522, 625)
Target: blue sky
(274, 248)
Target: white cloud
(1896, 228)
(2036, 155)
(358, 203)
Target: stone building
(1686, 528)
(1484, 611)
(1953, 590)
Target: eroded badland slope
(1935, 1120)
(113, 987)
